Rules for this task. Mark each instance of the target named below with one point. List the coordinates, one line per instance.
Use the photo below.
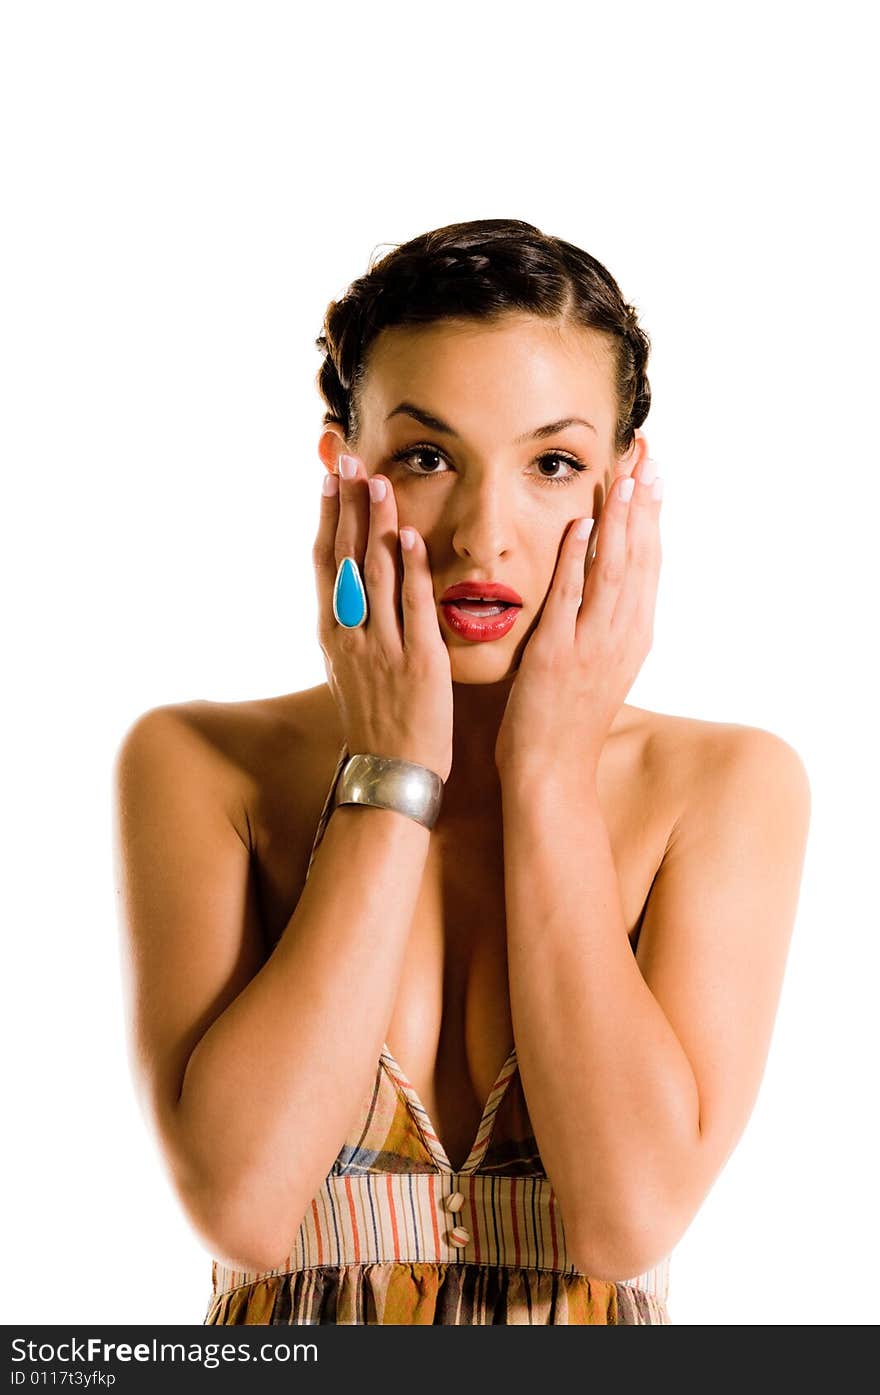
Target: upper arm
(188, 916)
(717, 927)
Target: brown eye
(574, 467)
(422, 454)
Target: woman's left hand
(580, 663)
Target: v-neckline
(425, 1123)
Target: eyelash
(577, 465)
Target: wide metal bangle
(387, 782)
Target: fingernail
(582, 528)
(625, 488)
(377, 489)
(407, 538)
(330, 485)
(648, 471)
(347, 467)
(657, 491)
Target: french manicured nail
(582, 528)
(330, 485)
(657, 491)
(649, 471)
(347, 467)
(407, 538)
(378, 489)
(625, 488)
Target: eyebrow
(409, 409)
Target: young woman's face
(491, 498)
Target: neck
(477, 712)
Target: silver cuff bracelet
(388, 782)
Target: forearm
(272, 1086)
(610, 1091)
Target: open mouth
(482, 609)
(479, 620)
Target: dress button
(454, 1201)
(459, 1236)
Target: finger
(354, 511)
(324, 553)
(417, 604)
(567, 588)
(638, 595)
(606, 574)
(381, 571)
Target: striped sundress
(395, 1235)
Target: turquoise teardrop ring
(349, 596)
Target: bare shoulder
(691, 760)
(243, 756)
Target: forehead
(525, 369)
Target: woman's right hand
(391, 677)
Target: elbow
(616, 1259)
(236, 1234)
(621, 1251)
(247, 1252)
(244, 1219)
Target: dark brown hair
(482, 270)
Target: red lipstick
(477, 590)
(480, 610)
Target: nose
(483, 518)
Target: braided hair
(481, 270)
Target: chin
(475, 665)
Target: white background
(186, 186)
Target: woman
(453, 979)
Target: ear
(637, 452)
(331, 445)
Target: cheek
(547, 552)
(419, 500)
(539, 578)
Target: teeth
(481, 611)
